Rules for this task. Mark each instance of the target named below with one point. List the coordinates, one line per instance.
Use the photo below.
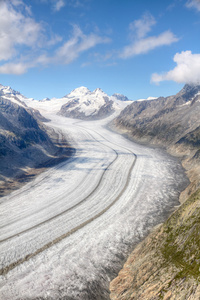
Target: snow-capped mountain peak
(7, 90)
(82, 103)
(78, 92)
(12, 95)
(79, 103)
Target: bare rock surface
(166, 264)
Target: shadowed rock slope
(26, 145)
(166, 265)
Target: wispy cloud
(141, 27)
(186, 71)
(78, 43)
(193, 4)
(142, 46)
(58, 4)
(16, 30)
(24, 43)
(141, 43)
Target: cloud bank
(186, 71)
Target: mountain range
(83, 104)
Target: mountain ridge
(27, 146)
(165, 265)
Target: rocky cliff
(166, 265)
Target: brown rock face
(166, 265)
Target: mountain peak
(98, 90)
(79, 92)
(120, 97)
(189, 91)
(7, 90)
(82, 89)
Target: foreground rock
(166, 264)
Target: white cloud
(16, 30)
(14, 68)
(186, 71)
(142, 46)
(142, 26)
(58, 4)
(25, 44)
(141, 43)
(72, 49)
(65, 54)
(78, 43)
(193, 4)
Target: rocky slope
(172, 123)
(166, 265)
(26, 144)
(163, 120)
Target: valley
(67, 233)
(84, 215)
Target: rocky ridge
(172, 123)
(166, 264)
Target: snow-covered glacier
(66, 234)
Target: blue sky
(138, 48)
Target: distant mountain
(120, 97)
(83, 104)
